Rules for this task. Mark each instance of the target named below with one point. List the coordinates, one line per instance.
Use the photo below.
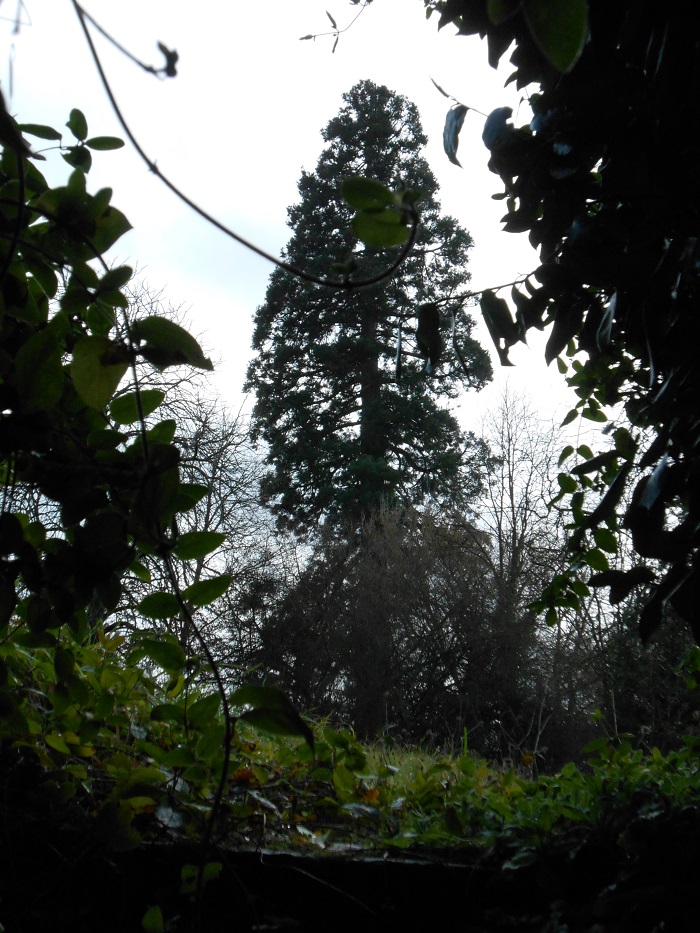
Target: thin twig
(341, 284)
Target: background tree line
(401, 603)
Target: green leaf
(189, 874)
(171, 712)
(124, 410)
(501, 10)
(366, 194)
(567, 483)
(205, 711)
(565, 454)
(605, 540)
(77, 124)
(165, 343)
(104, 142)
(159, 606)
(114, 279)
(39, 130)
(594, 414)
(39, 376)
(188, 495)
(211, 743)
(205, 592)
(110, 226)
(270, 709)
(152, 921)
(78, 157)
(97, 368)
(596, 559)
(165, 651)
(384, 229)
(344, 782)
(64, 664)
(195, 544)
(44, 274)
(560, 29)
(54, 741)
(178, 757)
(163, 433)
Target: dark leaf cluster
(603, 181)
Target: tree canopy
(348, 383)
(603, 179)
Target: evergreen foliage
(603, 179)
(347, 383)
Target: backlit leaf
(195, 544)
(104, 142)
(560, 29)
(205, 592)
(97, 368)
(383, 229)
(366, 194)
(450, 134)
(125, 409)
(159, 606)
(165, 343)
(77, 124)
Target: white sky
(234, 130)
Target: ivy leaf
(454, 122)
(97, 368)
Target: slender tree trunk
(372, 426)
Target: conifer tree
(347, 427)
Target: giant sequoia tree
(347, 425)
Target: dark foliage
(604, 181)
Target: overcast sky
(237, 125)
